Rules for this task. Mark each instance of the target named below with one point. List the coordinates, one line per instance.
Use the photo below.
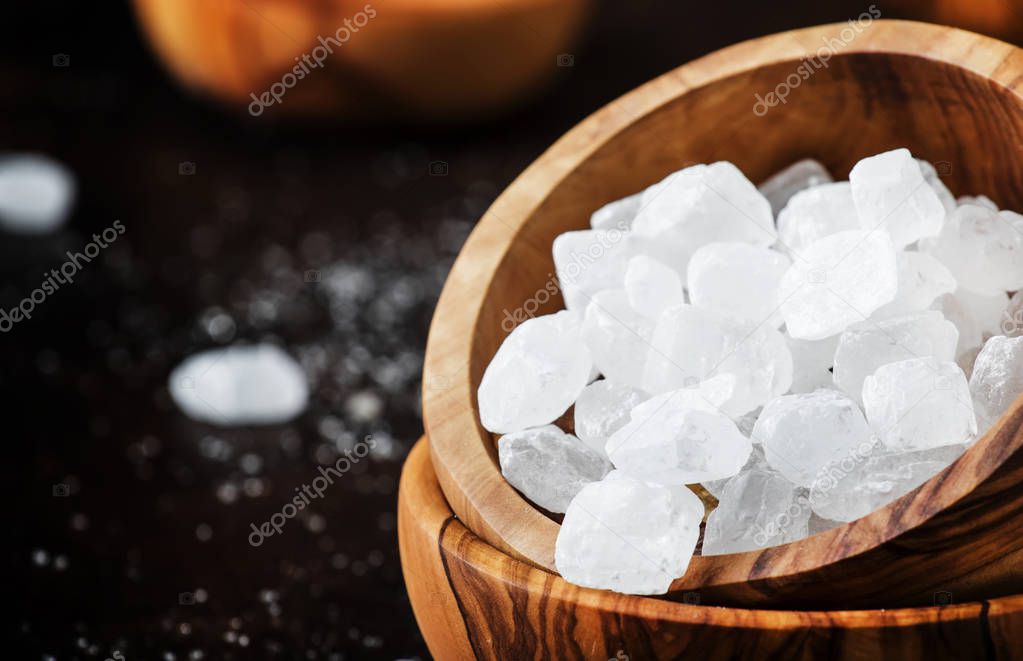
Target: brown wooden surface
(952, 97)
(472, 601)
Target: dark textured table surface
(128, 522)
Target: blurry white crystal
(691, 344)
(780, 187)
(890, 193)
(919, 404)
(816, 213)
(738, 279)
(652, 287)
(979, 201)
(812, 361)
(702, 204)
(602, 409)
(937, 185)
(997, 378)
(618, 338)
(976, 316)
(676, 444)
(628, 536)
(36, 193)
(982, 248)
(840, 280)
(616, 215)
(589, 261)
(851, 489)
(922, 279)
(240, 385)
(803, 433)
(756, 509)
(549, 466)
(865, 347)
(536, 374)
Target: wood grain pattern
(953, 97)
(474, 602)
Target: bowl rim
(467, 471)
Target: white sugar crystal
(676, 444)
(976, 316)
(756, 461)
(756, 509)
(933, 179)
(890, 193)
(36, 193)
(812, 361)
(738, 279)
(783, 185)
(616, 215)
(922, 279)
(652, 287)
(712, 395)
(589, 261)
(703, 204)
(979, 201)
(240, 385)
(865, 347)
(982, 248)
(853, 488)
(840, 280)
(618, 338)
(691, 344)
(803, 433)
(628, 536)
(816, 213)
(919, 404)
(549, 466)
(536, 374)
(997, 378)
(602, 409)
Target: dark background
(127, 522)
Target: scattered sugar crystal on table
(815, 213)
(756, 509)
(812, 362)
(676, 444)
(997, 378)
(922, 279)
(853, 488)
(780, 187)
(240, 385)
(652, 287)
(629, 536)
(919, 404)
(803, 433)
(618, 214)
(839, 280)
(864, 347)
(549, 466)
(982, 248)
(602, 409)
(739, 280)
(36, 193)
(536, 374)
(618, 338)
(891, 194)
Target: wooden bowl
(474, 602)
(952, 97)
(417, 59)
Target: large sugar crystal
(589, 261)
(652, 287)
(976, 316)
(739, 280)
(536, 374)
(891, 194)
(812, 361)
(933, 179)
(922, 279)
(616, 215)
(997, 378)
(602, 409)
(756, 509)
(919, 404)
(628, 536)
(549, 466)
(838, 281)
(780, 187)
(982, 248)
(814, 214)
(618, 338)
